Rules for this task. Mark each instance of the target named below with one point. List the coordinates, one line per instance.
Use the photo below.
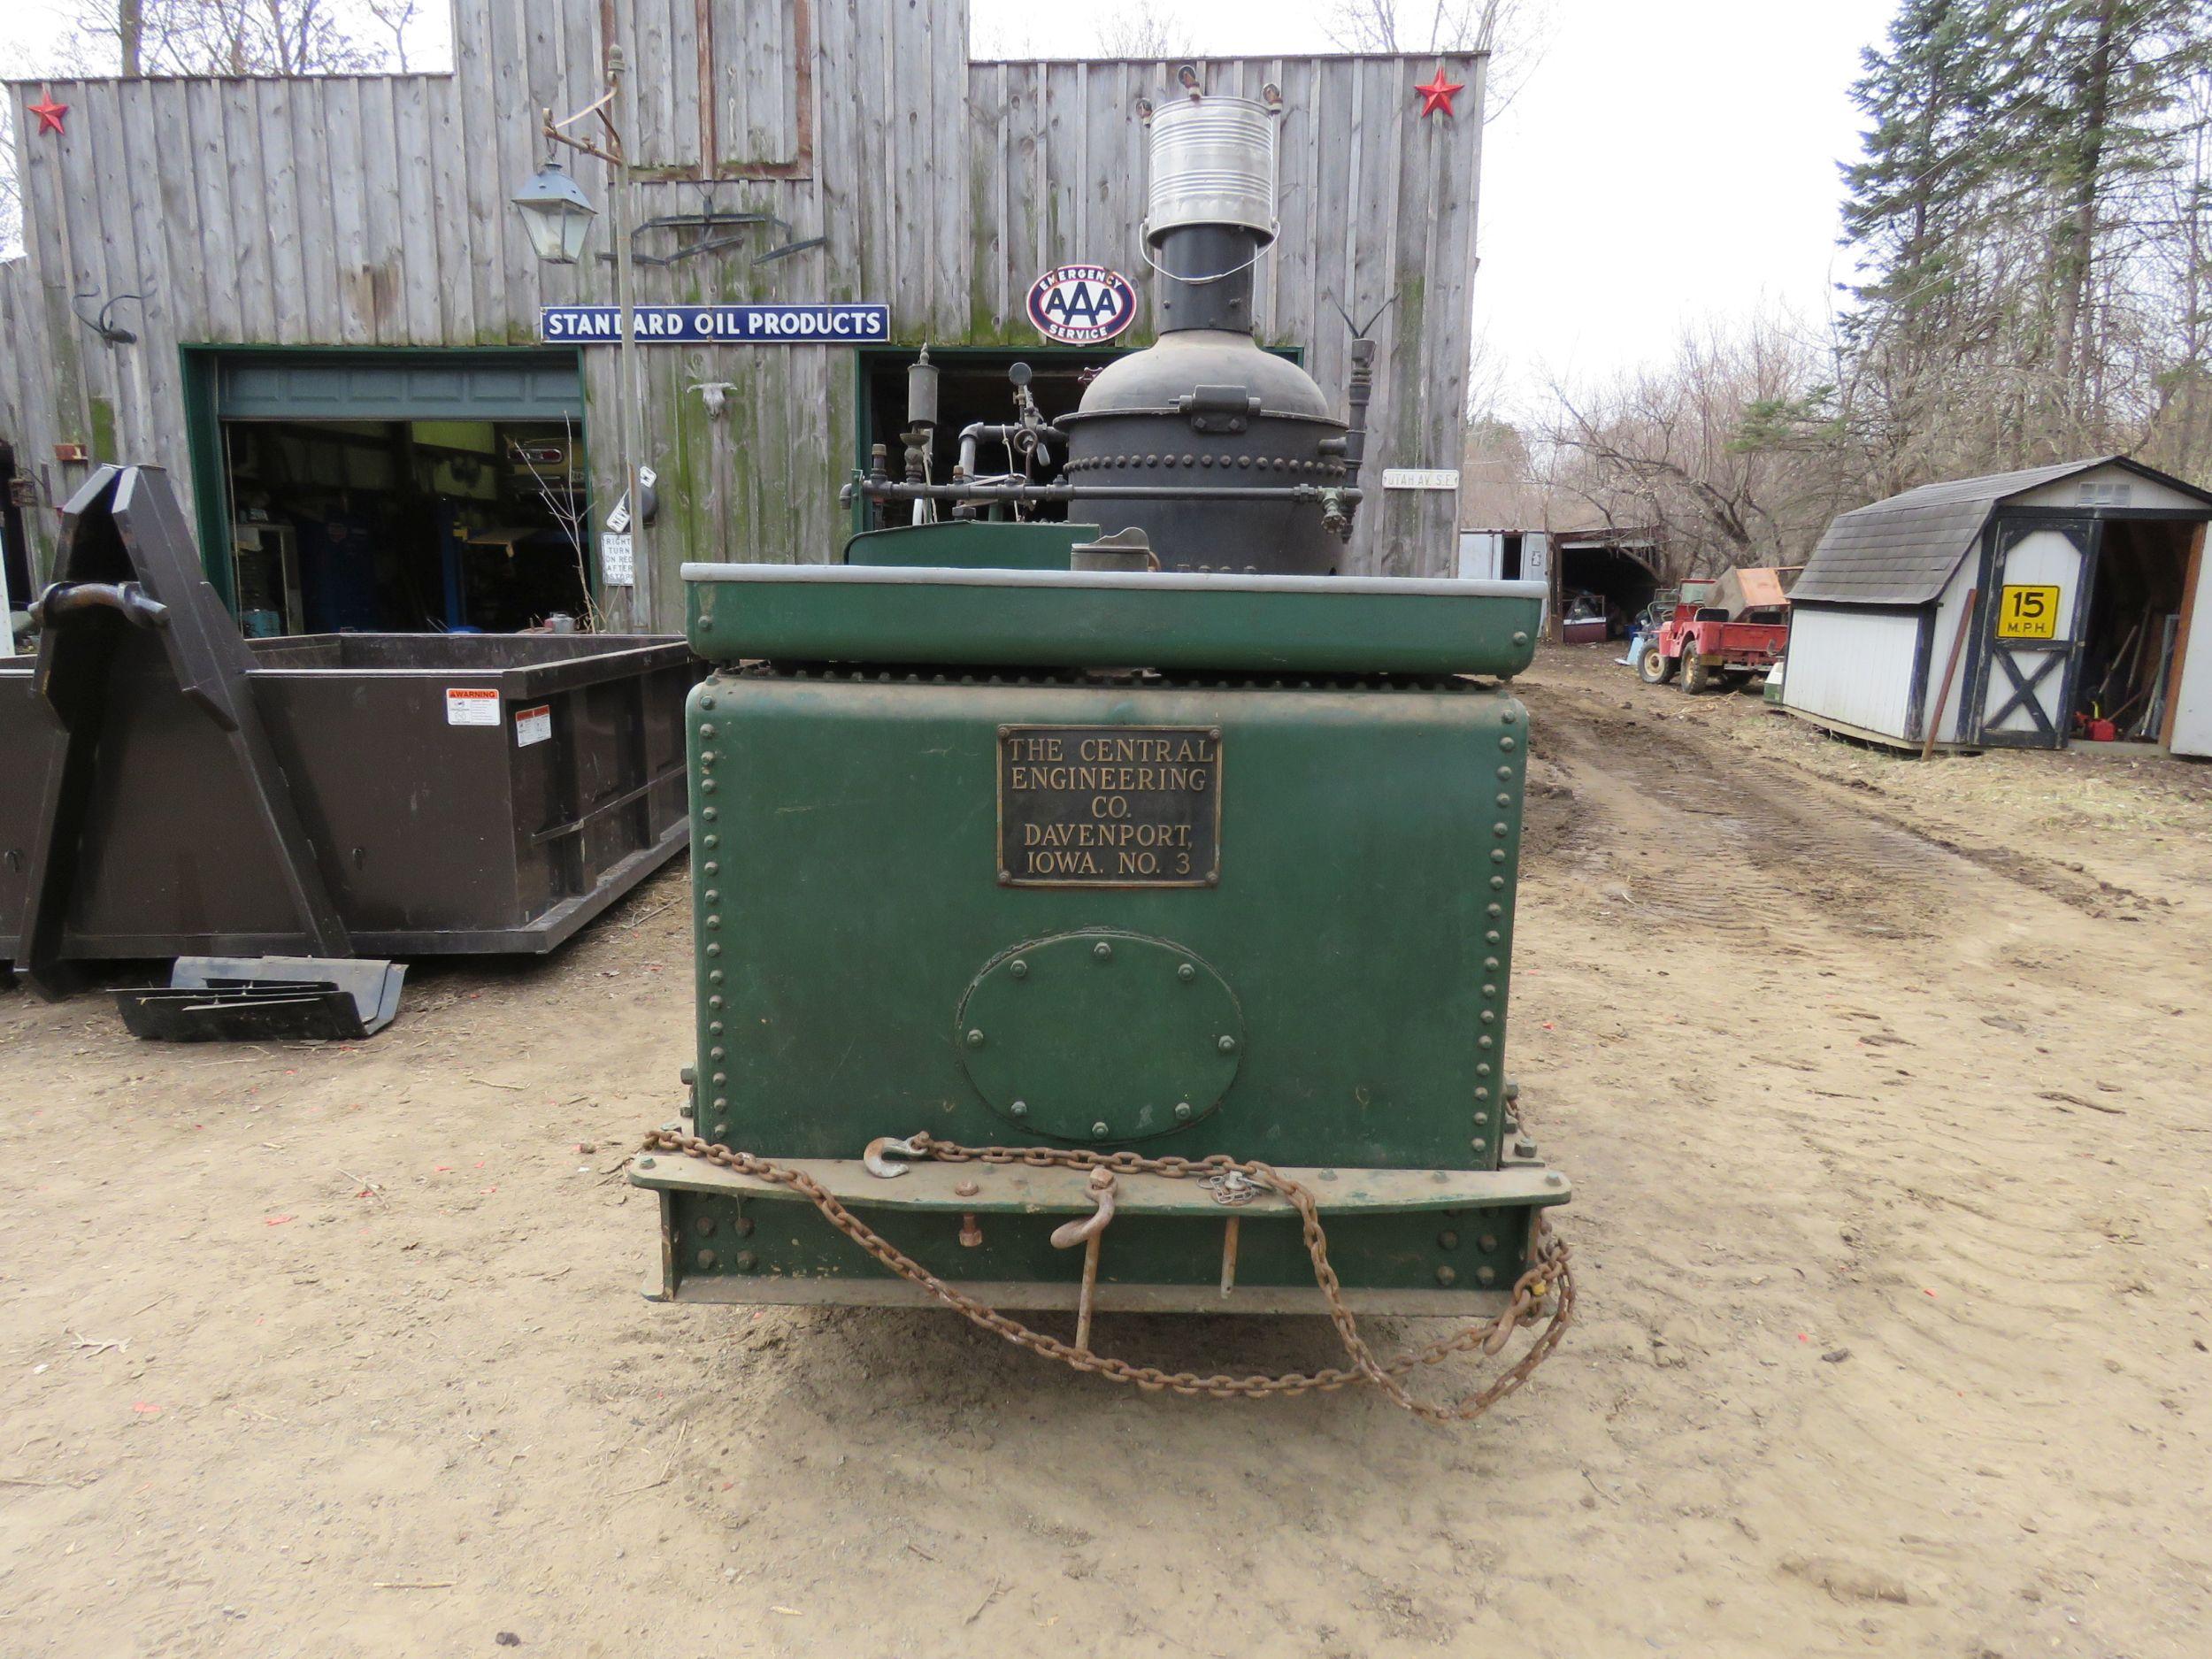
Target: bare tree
(11, 188)
(1513, 32)
(563, 498)
(232, 37)
(992, 38)
(1487, 374)
(1144, 29)
(210, 37)
(1735, 446)
(397, 17)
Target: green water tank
(1179, 864)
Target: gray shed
(2018, 610)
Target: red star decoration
(1439, 93)
(48, 113)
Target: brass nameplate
(1110, 806)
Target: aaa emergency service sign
(1081, 304)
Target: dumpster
(174, 789)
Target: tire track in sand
(2000, 1276)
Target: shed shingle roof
(1902, 551)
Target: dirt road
(1885, 1092)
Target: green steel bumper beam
(766, 1239)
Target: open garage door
(395, 491)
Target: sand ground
(1885, 1091)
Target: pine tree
(1930, 152)
(2014, 301)
(1945, 116)
(2109, 80)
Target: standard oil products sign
(1110, 806)
(839, 325)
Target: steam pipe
(882, 487)
(1357, 395)
(977, 431)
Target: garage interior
(15, 548)
(2136, 617)
(393, 491)
(1615, 568)
(405, 526)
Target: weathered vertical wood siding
(1378, 211)
(371, 211)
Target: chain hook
(1089, 1232)
(1069, 1234)
(883, 1148)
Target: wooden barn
(2021, 609)
(312, 301)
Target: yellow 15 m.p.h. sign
(2027, 614)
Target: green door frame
(200, 364)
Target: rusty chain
(1548, 1277)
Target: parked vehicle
(1730, 631)
(1585, 620)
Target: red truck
(1730, 631)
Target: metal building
(312, 300)
(2021, 609)
(1614, 570)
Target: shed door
(1536, 567)
(2189, 727)
(2031, 630)
(1478, 553)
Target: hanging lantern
(557, 213)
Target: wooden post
(631, 407)
(1950, 670)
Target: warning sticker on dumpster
(534, 725)
(472, 705)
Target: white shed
(2018, 610)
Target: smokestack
(1249, 463)
(1212, 210)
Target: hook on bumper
(883, 1148)
(130, 600)
(1089, 1231)
(1070, 1234)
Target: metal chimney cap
(1213, 163)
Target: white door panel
(2035, 608)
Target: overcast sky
(1660, 164)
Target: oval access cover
(1100, 1036)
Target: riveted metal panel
(845, 857)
